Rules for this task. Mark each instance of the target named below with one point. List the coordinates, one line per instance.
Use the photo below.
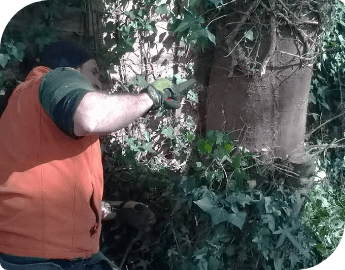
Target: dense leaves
(325, 214)
(327, 90)
(210, 215)
(217, 205)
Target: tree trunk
(266, 112)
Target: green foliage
(211, 211)
(21, 47)
(127, 24)
(15, 52)
(324, 209)
(327, 91)
(208, 214)
(191, 27)
(324, 213)
(124, 26)
(218, 158)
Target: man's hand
(132, 213)
(164, 93)
(137, 215)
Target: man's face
(90, 70)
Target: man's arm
(99, 113)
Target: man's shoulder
(67, 76)
(37, 72)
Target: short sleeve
(60, 93)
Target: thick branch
(273, 44)
(305, 38)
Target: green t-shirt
(61, 91)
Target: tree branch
(305, 38)
(325, 123)
(273, 44)
(233, 34)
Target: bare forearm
(100, 113)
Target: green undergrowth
(325, 214)
(217, 205)
(324, 210)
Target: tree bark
(265, 111)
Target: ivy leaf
(162, 83)
(202, 264)
(285, 232)
(192, 96)
(312, 98)
(18, 51)
(210, 36)
(4, 60)
(193, 3)
(205, 204)
(219, 215)
(169, 132)
(213, 263)
(21, 46)
(216, 2)
(238, 219)
(241, 199)
(294, 259)
(184, 25)
(204, 146)
(200, 253)
(278, 263)
(270, 220)
(322, 91)
(139, 81)
(163, 9)
(324, 104)
(271, 207)
(281, 238)
(249, 35)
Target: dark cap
(64, 53)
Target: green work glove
(164, 93)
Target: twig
(340, 87)
(129, 247)
(234, 47)
(305, 38)
(177, 245)
(298, 56)
(288, 10)
(215, 19)
(233, 34)
(325, 123)
(333, 144)
(325, 148)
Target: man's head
(65, 53)
(90, 70)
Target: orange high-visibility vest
(51, 184)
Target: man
(51, 180)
